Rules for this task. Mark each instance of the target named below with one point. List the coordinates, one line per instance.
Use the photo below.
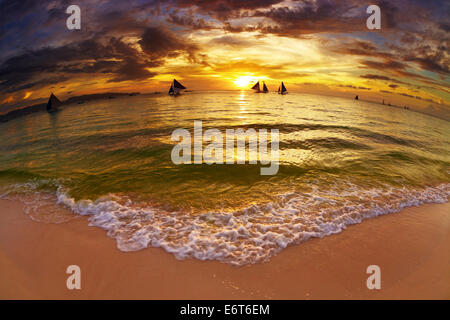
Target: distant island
(78, 100)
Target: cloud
(379, 77)
(231, 41)
(51, 65)
(160, 42)
(389, 65)
(136, 39)
(360, 48)
(354, 87)
(436, 61)
(113, 58)
(308, 17)
(189, 21)
(131, 69)
(224, 9)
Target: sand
(412, 249)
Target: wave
(250, 235)
(111, 138)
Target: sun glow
(245, 81)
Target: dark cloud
(160, 43)
(432, 60)
(13, 9)
(379, 77)
(189, 21)
(224, 9)
(389, 65)
(389, 13)
(406, 95)
(445, 26)
(311, 17)
(131, 69)
(429, 58)
(360, 48)
(35, 45)
(353, 87)
(115, 58)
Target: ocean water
(341, 161)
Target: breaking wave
(246, 236)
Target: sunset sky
(314, 46)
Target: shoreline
(411, 247)
(41, 107)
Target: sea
(341, 161)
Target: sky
(314, 46)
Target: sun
(244, 81)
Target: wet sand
(412, 249)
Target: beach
(228, 150)
(411, 247)
(356, 185)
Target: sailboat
(282, 89)
(256, 87)
(356, 98)
(175, 88)
(53, 103)
(265, 90)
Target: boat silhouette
(282, 89)
(175, 88)
(257, 88)
(53, 103)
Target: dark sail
(178, 85)
(265, 87)
(356, 98)
(171, 89)
(283, 88)
(53, 103)
(256, 86)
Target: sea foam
(246, 236)
(250, 235)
